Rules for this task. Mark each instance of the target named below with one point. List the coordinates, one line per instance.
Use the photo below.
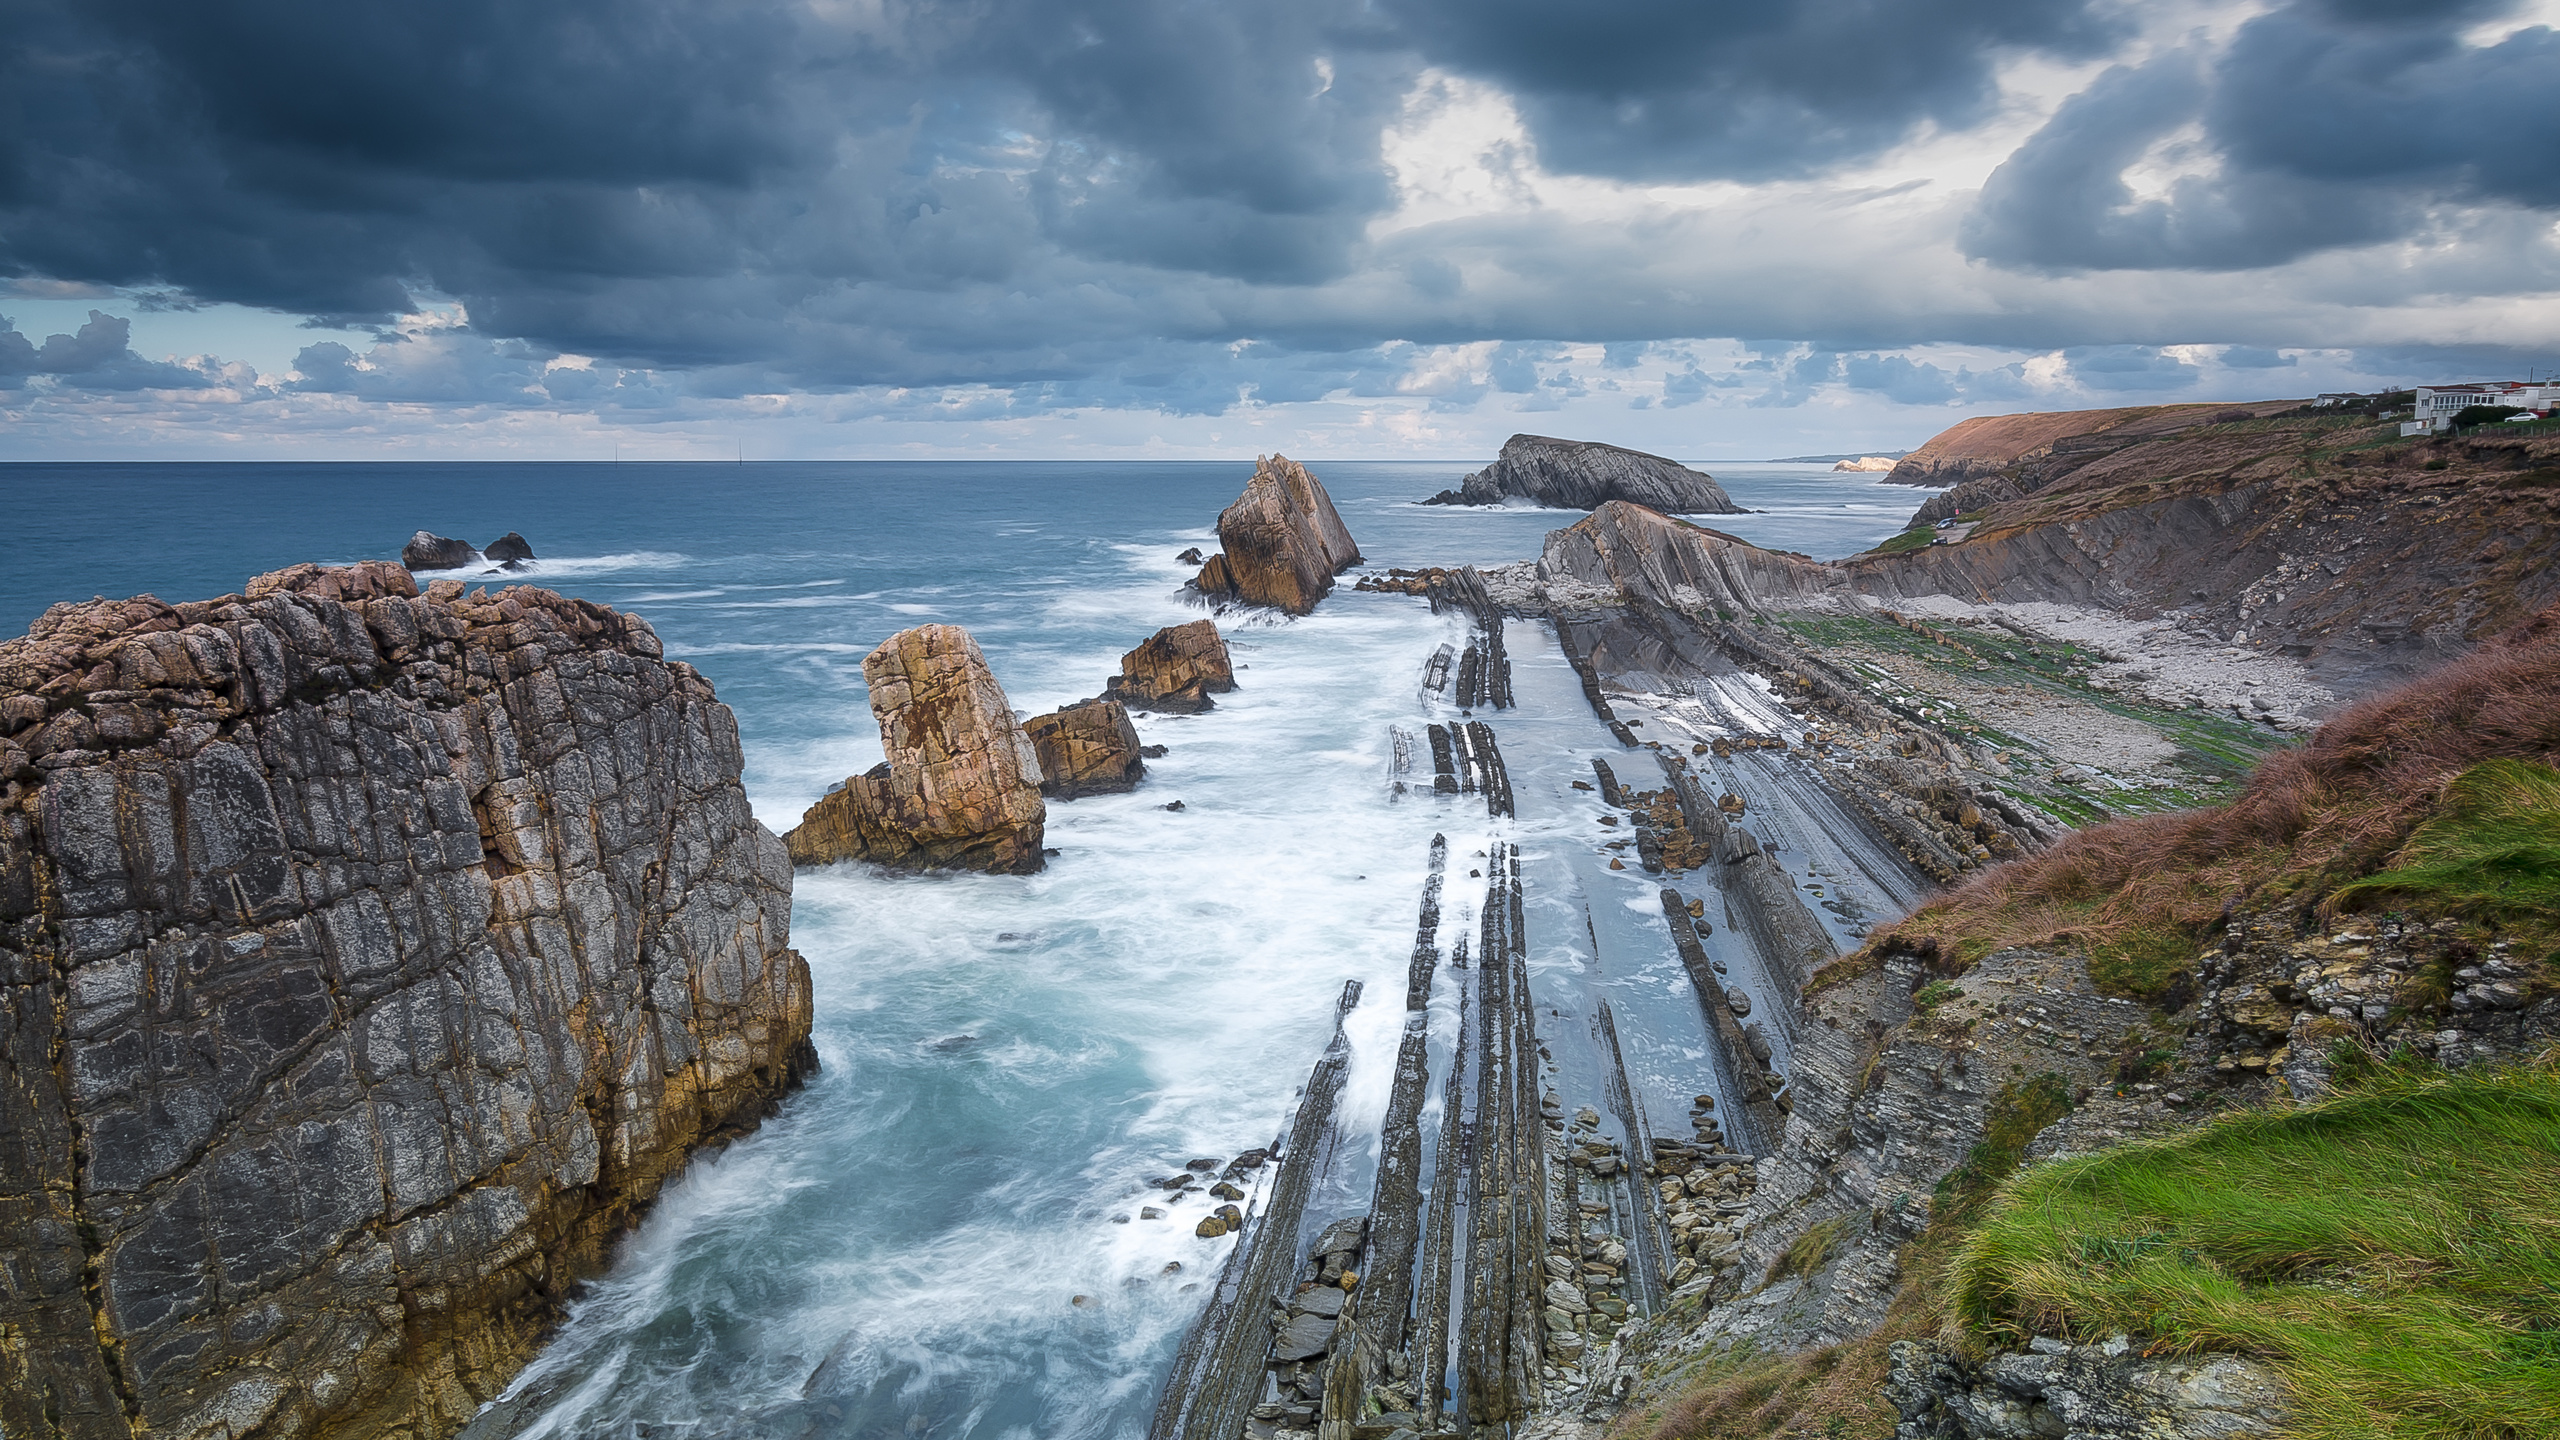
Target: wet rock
(1176, 669)
(414, 948)
(1226, 1190)
(1188, 557)
(1283, 541)
(961, 786)
(1210, 1227)
(428, 551)
(1172, 805)
(1737, 1002)
(1583, 475)
(1087, 749)
(1149, 1212)
(509, 550)
(1153, 752)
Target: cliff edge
(368, 959)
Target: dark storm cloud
(2325, 123)
(98, 357)
(1677, 90)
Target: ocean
(930, 1238)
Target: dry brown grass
(2310, 819)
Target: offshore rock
(367, 961)
(1583, 475)
(1283, 541)
(1087, 749)
(509, 550)
(1176, 669)
(428, 551)
(961, 786)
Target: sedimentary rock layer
(1176, 669)
(1584, 474)
(960, 788)
(1283, 541)
(1988, 444)
(367, 960)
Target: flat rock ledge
(1086, 749)
(1176, 669)
(1283, 542)
(368, 959)
(960, 789)
(1584, 475)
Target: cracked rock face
(1087, 749)
(1176, 669)
(367, 960)
(960, 788)
(2057, 1391)
(1283, 541)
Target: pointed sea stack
(1584, 475)
(1176, 669)
(1086, 749)
(961, 787)
(1283, 541)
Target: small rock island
(1584, 475)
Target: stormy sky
(1338, 227)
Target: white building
(2438, 404)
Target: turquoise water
(926, 1240)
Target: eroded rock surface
(367, 960)
(1583, 475)
(1176, 669)
(960, 788)
(2056, 1391)
(1087, 749)
(1283, 542)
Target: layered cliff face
(960, 788)
(1584, 475)
(1624, 550)
(370, 959)
(1283, 541)
(1087, 749)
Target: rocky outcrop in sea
(1283, 542)
(960, 788)
(1176, 669)
(368, 959)
(1583, 475)
(1086, 749)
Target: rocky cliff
(960, 788)
(1086, 749)
(367, 961)
(1283, 541)
(1583, 475)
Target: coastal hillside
(1988, 444)
(2328, 538)
(2265, 1030)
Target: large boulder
(960, 788)
(368, 960)
(1584, 475)
(1086, 749)
(1176, 669)
(1283, 541)
(429, 551)
(509, 550)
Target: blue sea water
(928, 1234)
